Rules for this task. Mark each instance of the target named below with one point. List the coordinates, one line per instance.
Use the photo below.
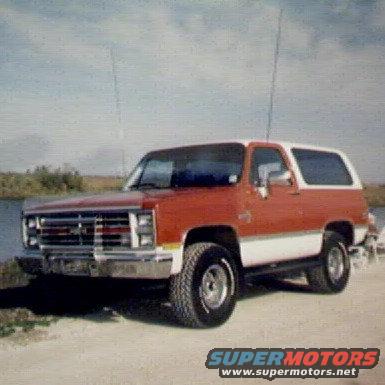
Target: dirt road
(135, 343)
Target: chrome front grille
(84, 230)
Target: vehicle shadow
(103, 300)
(258, 286)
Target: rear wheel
(204, 293)
(333, 274)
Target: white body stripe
(177, 260)
(263, 250)
(360, 233)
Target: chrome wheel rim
(214, 286)
(335, 264)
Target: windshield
(195, 166)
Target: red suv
(204, 217)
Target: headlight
(32, 241)
(29, 232)
(32, 223)
(146, 240)
(143, 234)
(145, 224)
(144, 220)
(145, 230)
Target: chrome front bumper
(136, 265)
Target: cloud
(104, 160)
(193, 51)
(22, 151)
(190, 72)
(55, 39)
(353, 23)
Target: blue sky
(188, 71)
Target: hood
(138, 199)
(116, 200)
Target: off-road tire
(319, 277)
(186, 296)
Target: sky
(187, 71)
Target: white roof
(287, 147)
(247, 141)
(284, 144)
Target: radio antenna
(118, 109)
(274, 76)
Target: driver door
(275, 229)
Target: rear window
(322, 168)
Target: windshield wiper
(145, 186)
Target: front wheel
(333, 274)
(204, 293)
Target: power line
(118, 108)
(274, 76)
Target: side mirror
(263, 187)
(279, 178)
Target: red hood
(124, 199)
(142, 199)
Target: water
(379, 212)
(10, 242)
(10, 224)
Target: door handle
(245, 216)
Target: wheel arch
(223, 235)
(343, 227)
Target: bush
(42, 180)
(11, 275)
(66, 179)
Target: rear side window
(322, 168)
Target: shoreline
(18, 186)
(11, 275)
(17, 319)
(374, 193)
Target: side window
(264, 161)
(322, 168)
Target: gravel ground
(106, 339)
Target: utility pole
(118, 110)
(274, 76)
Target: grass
(53, 182)
(102, 183)
(13, 320)
(375, 195)
(18, 319)
(11, 275)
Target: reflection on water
(10, 211)
(379, 212)
(10, 214)
(10, 244)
